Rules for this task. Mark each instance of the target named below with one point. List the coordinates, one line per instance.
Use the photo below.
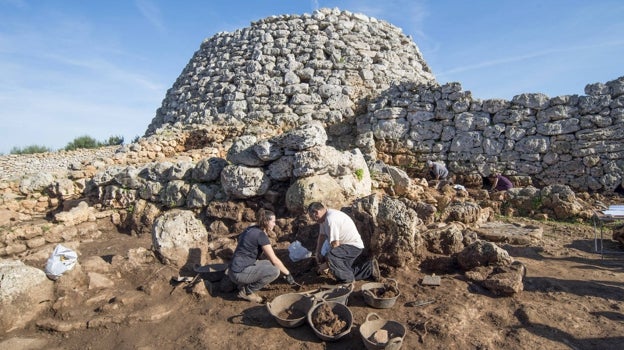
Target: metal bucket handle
(314, 301)
(370, 293)
(394, 341)
(318, 298)
(370, 314)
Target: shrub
(32, 149)
(114, 141)
(83, 142)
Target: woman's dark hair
(263, 216)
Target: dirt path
(573, 299)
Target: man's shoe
(376, 275)
(253, 297)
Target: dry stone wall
(284, 71)
(572, 140)
(370, 87)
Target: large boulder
(76, 215)
(562, 201)
(179, 238)
(317, 188)
(445, 240)
(23, 294)
(208, 169)
(36, 182)
(506, 280)
(344, 177)
(482, 253)
(389, 229)
(242, 152)
(464, 212)
(240, 182)
(304, 137)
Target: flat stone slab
(432, 280)
(497, 231)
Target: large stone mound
(286, 70)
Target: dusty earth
(572, 299)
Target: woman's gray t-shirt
(249, 248)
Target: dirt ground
(572, 299)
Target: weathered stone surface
(179, 238)
(36, 182)
(445, 240)
(174, 193)
(389, 228)
(23, 292)
(317, 188)
(201, 194)
(304, 137)
(244, 182)
(561, 200)
(506, 280)
(465, 212)
(79, 214)
(482, 253)
(208, 169)
(497, 231)
(242, 152)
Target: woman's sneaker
(249, 296)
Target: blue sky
(70, 68)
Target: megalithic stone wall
(285, 71)
(370, 87)
(572, 140)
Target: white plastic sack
(62, 259)
(298, 252)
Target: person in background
(499, 183)
(345, 245)
(248, 272)
(437, 170)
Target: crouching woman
(248, 272)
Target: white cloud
(531, 55)
(152, 13)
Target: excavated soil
(386, 292)
(327, 322)
(573, 298)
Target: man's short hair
(315, 206)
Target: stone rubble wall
(369, 85)
(14, 166)
(570, 140)
(284, 71)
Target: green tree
(32, 149)
(83, 142)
